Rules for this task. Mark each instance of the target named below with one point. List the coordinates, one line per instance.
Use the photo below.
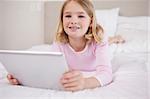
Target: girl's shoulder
(98, 47)
(58, 46)
(96, 44)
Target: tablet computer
(35, 68)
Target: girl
(84, 45)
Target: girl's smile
(74, 28)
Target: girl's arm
(91, 82)
(74, 81)
(103, 64)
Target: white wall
(1, 25)
(148, 66)
(23, 24)
(52, 13)
(149, 6)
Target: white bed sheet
(130, 82)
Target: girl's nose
(73, 20)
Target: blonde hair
(95, 31)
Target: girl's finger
(72, 84)
(9, 76)
(71, 74)
(14, 81)
(71, 79)
(11, 81)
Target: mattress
(130, 81)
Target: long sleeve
(103, 65)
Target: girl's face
(75, 20)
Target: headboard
(127, 8)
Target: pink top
(94, 58)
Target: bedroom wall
(51, 19)
(149, 7)
(1, 25)
(23, 24)
(127, 8)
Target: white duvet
(129, 82)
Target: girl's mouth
(74, 28)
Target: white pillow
(43, 47)
(108, 19)
(137, 22)
(3, 72)
(135, 32)
(112, 49)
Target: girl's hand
(12, 80)
(73, 81)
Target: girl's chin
(73, 31)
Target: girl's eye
(68, 16)
(81, 16)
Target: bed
(130, 64)
(129, 82)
